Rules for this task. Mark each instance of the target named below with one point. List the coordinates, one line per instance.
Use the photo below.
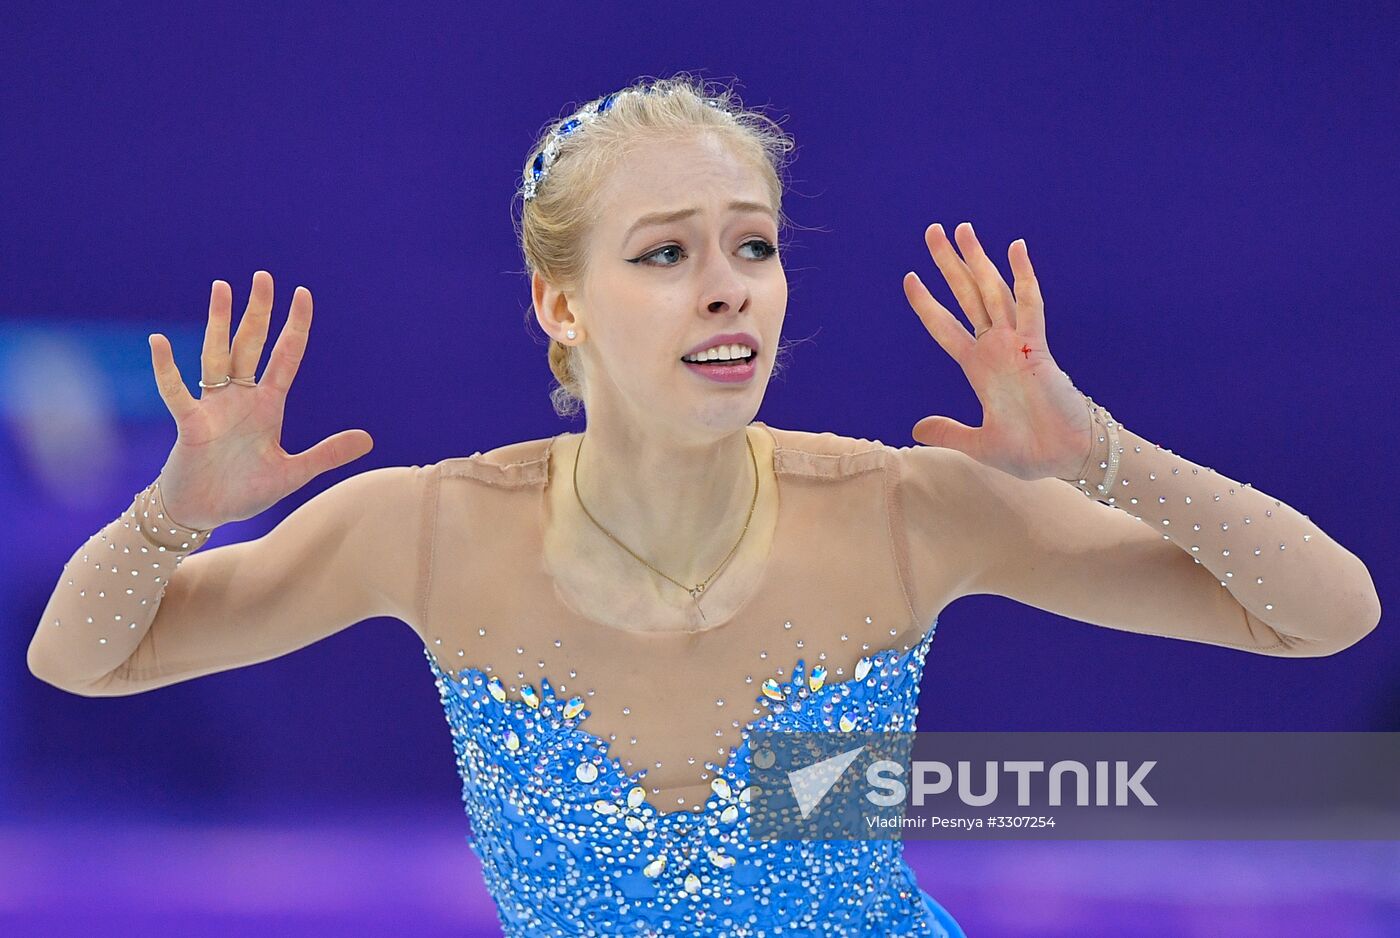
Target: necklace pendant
(697, 590)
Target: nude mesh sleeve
(1182, 551)
(136, 608)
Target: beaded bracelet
(1107, 429)
(159, 500)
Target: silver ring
(247, 382)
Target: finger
(959, 278)
(252, 328)
(334, 451)
(948, 433)
(996, 295)
(168, 381)
(214, 357)
(1030, 306)
(940, 323)
(291, 344)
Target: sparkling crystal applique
(570, 846)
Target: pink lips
(725, 374)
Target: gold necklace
(698, 588)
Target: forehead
(660, 175)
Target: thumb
(945, 432)
(332, 452)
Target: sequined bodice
(605, 773)
(570, 845)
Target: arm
(1208, 576)
(136, 609)
(1173, 549)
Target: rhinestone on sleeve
(111, 587)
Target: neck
(680, 505)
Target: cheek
(637, 353)
(775, 288)
(776, 302)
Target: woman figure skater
(609, 615)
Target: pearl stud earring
(571, 334)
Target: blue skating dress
(605, 770)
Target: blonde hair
(553, 225)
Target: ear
(552, 309)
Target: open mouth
(723, 361)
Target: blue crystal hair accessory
(586, 115)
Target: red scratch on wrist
(1026, 349)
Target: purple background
(1208, 193)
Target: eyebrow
(660, 218)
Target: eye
(647, 258)
(766, 250)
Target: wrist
(1086, 466)
(1100, 468)
(159, 528)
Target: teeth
(721, 353)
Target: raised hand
(228, 463)
(1035, 423)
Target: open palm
(1035, 423)
(228, 462)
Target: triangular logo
(810, 784)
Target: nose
(725, 290)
